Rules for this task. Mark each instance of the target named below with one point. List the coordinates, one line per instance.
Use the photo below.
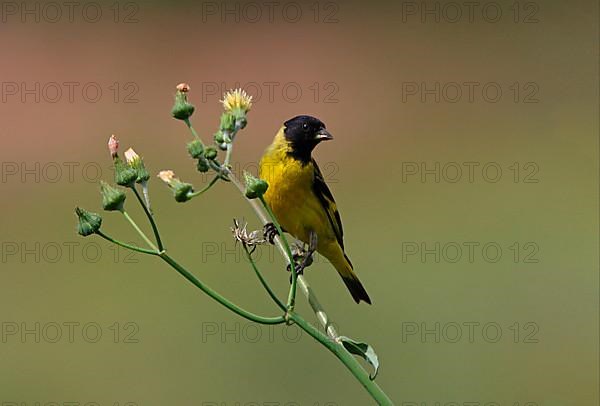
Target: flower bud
(227, 124)
(124, 174)
(137, 164)
(220, 140)
(112, 198)
(195, 149)
(181, 190)
(182, 110)
(255, 187)
(202, 165)
(89, 222)
(210, 153)
(113, 146)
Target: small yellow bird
(300, 199)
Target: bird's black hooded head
(303, 133)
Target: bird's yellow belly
(290, 195)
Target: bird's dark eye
(305, 126)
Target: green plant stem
(302, 283)
(139, 231)
(228, 154)
(194, 133)
(214, 164)
(213, 294)
(150, 218)
(345, 357)
(207, 187)
(125, 245)
(292, 294)
(262, 280)
(317, 308)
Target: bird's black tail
(352, 282)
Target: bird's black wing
(326, 198)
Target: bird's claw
(300, 264)
(302, 259)
(270, 232)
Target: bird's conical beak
(323, 135)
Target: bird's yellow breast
(291, 197)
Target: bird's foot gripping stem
(303, 258)
(270, 232)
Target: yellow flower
(237, 99)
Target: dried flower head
(113, 146)
(241, 234)
(237, 99)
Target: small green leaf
(363, 350)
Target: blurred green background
(132, 330)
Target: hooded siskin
(300, 199)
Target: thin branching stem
(150, 218)
(194, 133)
(345, 357)
(218, 297)
(228, 154)
(205, 188)
(214, 164)
(125, 245)
(139, 231)
(292, 294)
(262, 279)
